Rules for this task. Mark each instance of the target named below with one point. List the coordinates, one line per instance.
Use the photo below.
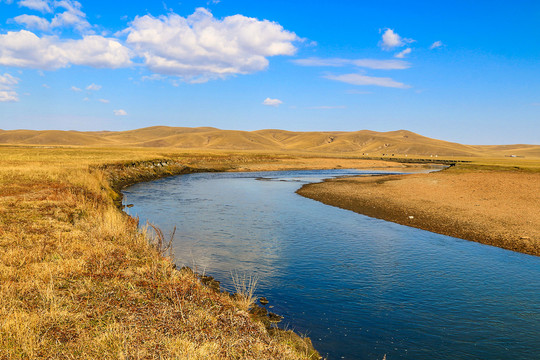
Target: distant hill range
(365, 142)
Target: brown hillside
(371, 143)
(51, 137)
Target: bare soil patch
(499, 208)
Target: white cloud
(391, 40)
(7, 88)
(39, 5)
(97, 51)
(120, 112)
(196, 48)
(76, 89)
(25, 49)
(33, 22)
(153, 77)
(105, 101)
(402, 54)
(165, 7)
(69, 16)
(436, 44)
(72, 17)
(93, 87)
(335, 62)
(382, 64)
(272, 102)
(366, 63)
(359, 79)
(8, 96)
(7, 80)
(200, 47)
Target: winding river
(360, 288)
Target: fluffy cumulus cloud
(33, 22)
(26, 49)
(365, 63)
(72, 16)
(391, 40)
(67, 14)
(97, 51)
(196, 48)
(200, 47)
(7, 88)
(272, 102)
(359, 79)
(402, 54)
(120, 112)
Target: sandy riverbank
(499, 208)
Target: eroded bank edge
(124, 174)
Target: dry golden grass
(78, 279)
(399, 143)
(245, 286)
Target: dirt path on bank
(498, 208)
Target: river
(360, 288)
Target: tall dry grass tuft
(244, 286)
(163, 246)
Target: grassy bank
(78, 279)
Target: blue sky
(464, 71)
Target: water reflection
(360, 287)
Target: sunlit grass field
(80, 279)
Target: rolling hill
(365, 142)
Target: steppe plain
(80, 280)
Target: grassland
(399, 143)
(78, 279)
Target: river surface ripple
(359, 287)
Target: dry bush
(162, 245)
